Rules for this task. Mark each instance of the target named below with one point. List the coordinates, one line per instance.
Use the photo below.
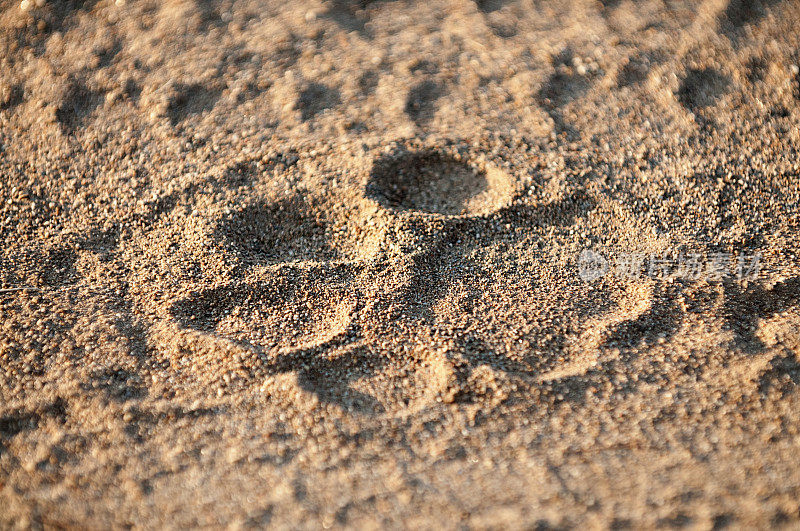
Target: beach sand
(368, 264)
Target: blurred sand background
(317, 263)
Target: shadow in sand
(745, 307)
(741, 13)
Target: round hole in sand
(438, 183)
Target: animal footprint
(302, 308)
(438, 183)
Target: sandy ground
(323, 263)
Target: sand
(366, 264)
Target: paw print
(329, 302)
